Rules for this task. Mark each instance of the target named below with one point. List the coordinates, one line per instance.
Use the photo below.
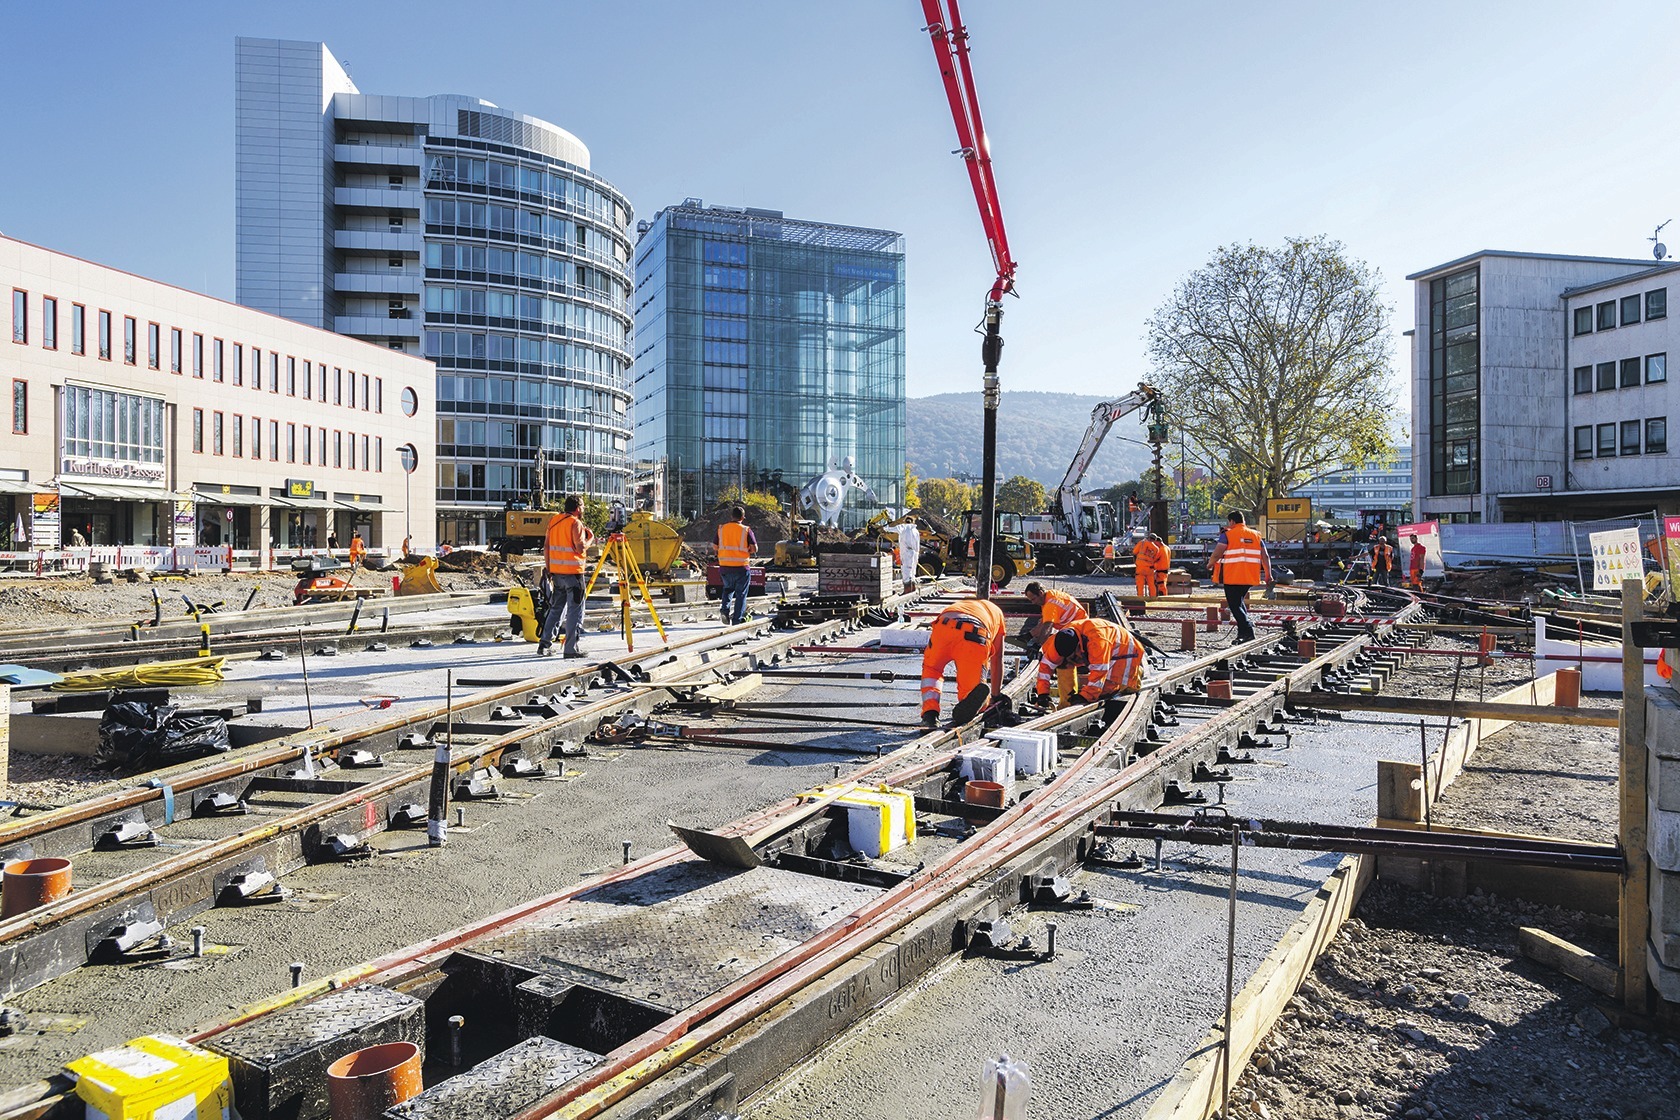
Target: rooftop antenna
(1658, 249)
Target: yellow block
(156, 1077)
(880, 818)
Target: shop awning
(365, 507)
(210, 498)
(303, 503)
(19, 486)
(117, 491)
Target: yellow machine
(1012, 555)
(420, 577)
(524, 529)
(524, 617)
(655, 546)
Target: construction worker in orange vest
(969, 632)
(358, 549)
(1056, 609)
(564, 546)
(1108, 653)
(1240, 561)
(1152, 559)
(1382, 562)
(1418, 556)
(735, 546)
(1164, 566)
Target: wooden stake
(1635, 923)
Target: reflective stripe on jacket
(1242, 564)
(1114, 660)
(1061, 609)
(733, 550)
(566, 540)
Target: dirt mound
(472, 560)
(939, 524)
(768, 527)
(1504, 581)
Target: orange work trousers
(945, 645)
(1146, 579)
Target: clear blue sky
(1130, 139)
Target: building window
(1584, 442)
(1630, 437)
(105, 336)
(378, 453)
(273, 371)
(154, 346)
(216, 370)
(1454, 383)
(78, 329)
(128, 339)
(364, 392)
(274, 441)
(1606, 375)
(291, 376)
(1656, 303)
(174, 349)
(256, 437)
(216, 422)
(291, 443)
(1630, 309)
(308, 444)
(1630, 373)
(198, 430)
(1583, 379)
(20, 315)
(379, 394)
(198, 356)
(238, 436)
(1607, 315)
(1656, 435)
(1607, 441)
(20, 407)
(351, 454)
(49, 323)
(338, 448)
(1583, 319)
(238, 363)
(1656, 368)
(338, 384)
(365, 464)
(410, 401)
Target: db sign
(1542, 482)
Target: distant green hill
(1037, 436)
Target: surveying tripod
(617, 549)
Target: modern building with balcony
(768, 348)
(1540, 388)
(449, 228)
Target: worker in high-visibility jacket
(1056, 609)
(1239, 562)
(1148, 555)
(358, 549)
(969, 632)
(1382, 562)
(735, 547)
(1108, 654)
(564, 546)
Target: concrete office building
(145, 414)
(1499, 404)
(450, 228)
(1376, 484)
(767, 348)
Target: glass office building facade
(767, 348)
(452, 229)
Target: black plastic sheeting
(137, 736)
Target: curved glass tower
(447, 227)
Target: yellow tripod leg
(641, 585)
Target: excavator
(1070, 535)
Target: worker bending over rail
(1056, 610)
(969, 632)
(1110, 655)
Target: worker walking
(1382, 562)
(1110, 655)
(358, 549)
(1145, 555)
(909, 547)
(735, 547)
(969, 632)
(564, 546)
(1240, 562)
(1414, 575)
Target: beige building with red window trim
(146, 414)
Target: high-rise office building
(450, 228)
(767, 348)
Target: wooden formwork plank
(1195, 1092)
(1571, 960)
(1632, 822)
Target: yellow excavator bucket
(420, 578)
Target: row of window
(1606, 441)
(226, 435)
(494, 177)
(1608, 315)
(222, 362)
(1629, 373)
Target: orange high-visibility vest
(1061, 609)
(566, 540)
(1242, 562)
(733, 551)
(1114, 660)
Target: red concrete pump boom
(950, 51)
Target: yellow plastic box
(156, 1077)
(878, 818)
